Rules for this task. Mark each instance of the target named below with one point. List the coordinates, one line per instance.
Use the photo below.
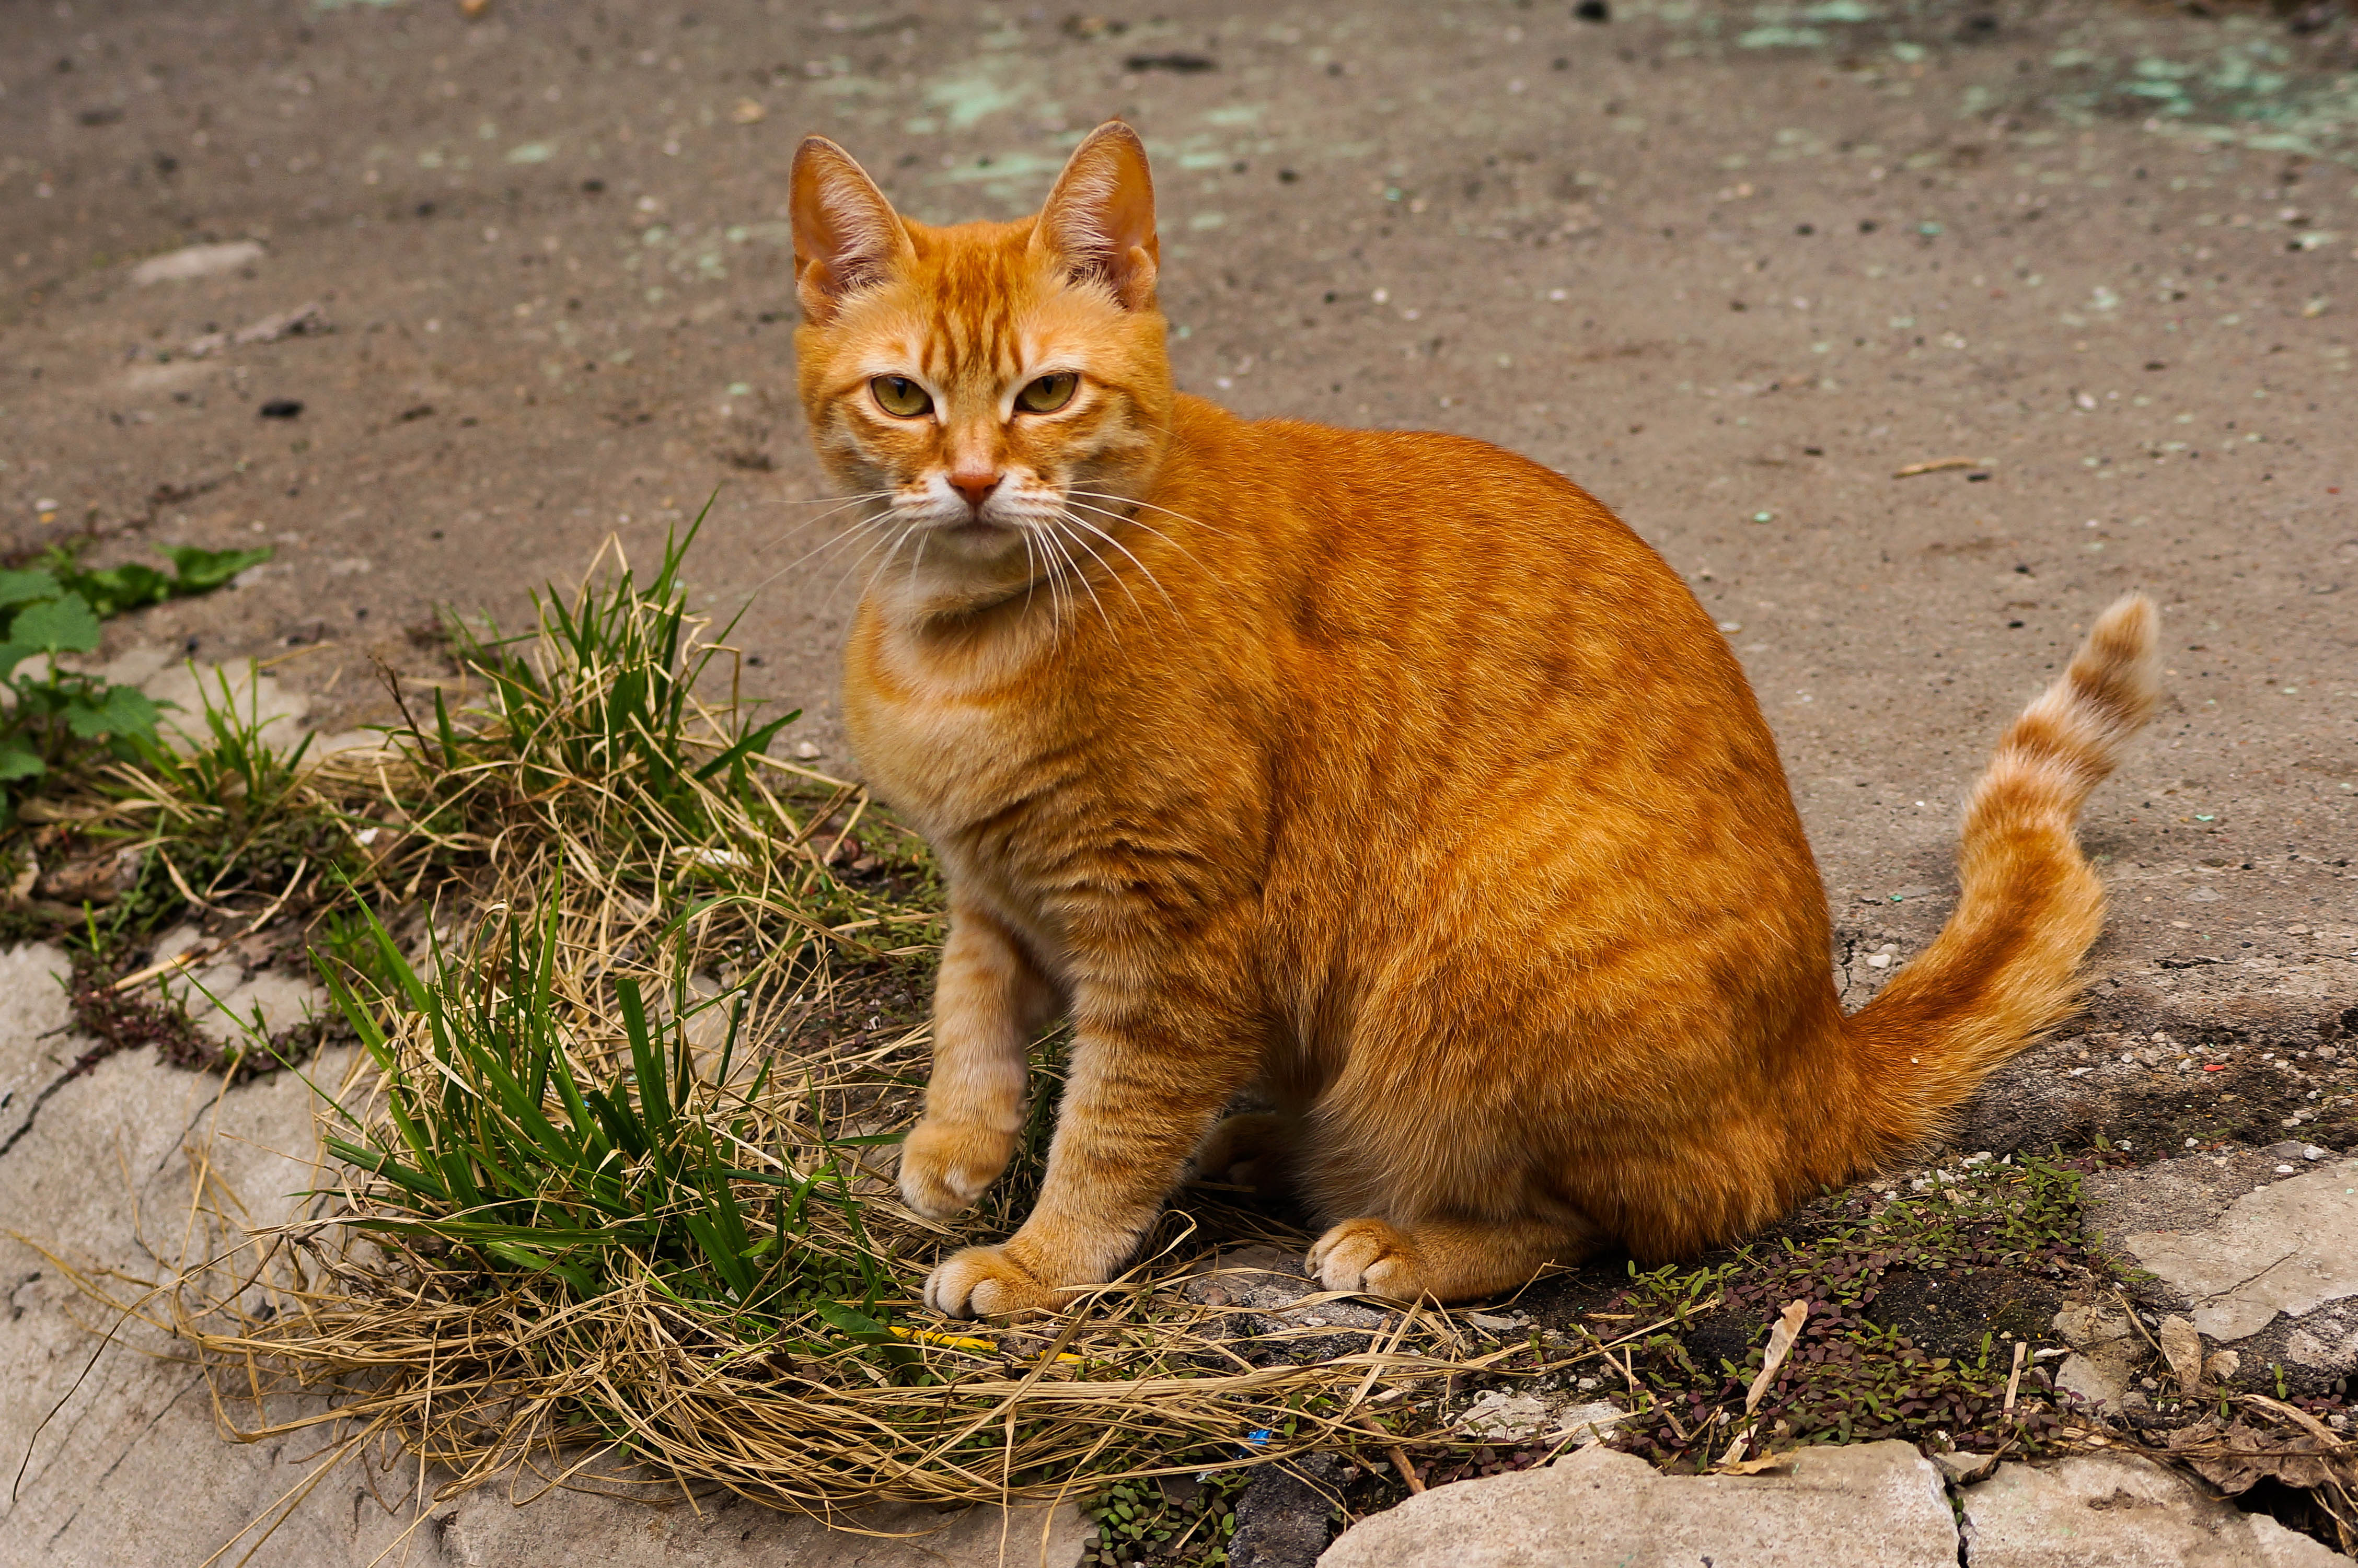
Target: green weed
(496, 1139)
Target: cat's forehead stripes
(979, 327)
(995, 313)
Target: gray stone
(192, 262)
(2104, 1353)
(1513, 1415)
(1283, 1514)
(2104, 1382)
(2290, 1248)
(1962, 1469)
(2119, 1512)
(1879, 1504)
(254, 696)
(100, 1177)
(34, 1019)
(1274, 1282)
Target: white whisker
(1133, 500)
(1117, 578)
(851, 530)
(898, 540)
(1140, 524)
(849, 567)
(842, 503)
(1144, 570)
(1059, 543)
(1058, 590)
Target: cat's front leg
(1150, 1069)
(988, 1001)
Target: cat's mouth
(977, 531)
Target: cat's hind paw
(1370, 1257)
(984, 1281)
(1254, 1148)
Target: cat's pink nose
(975, 487)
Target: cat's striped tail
(2003, 969)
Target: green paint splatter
(1781, 38)
(532, 152)
(966, 98)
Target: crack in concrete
(119, 1458)
(2254, 1277)
(33, 1111)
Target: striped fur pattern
(1387, 774)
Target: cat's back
(1399, 535)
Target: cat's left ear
(1099, 219)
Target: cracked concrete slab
(2120, 1512)
(1881, 1504)
(484, 1530)
(1878, 1505)
(36, 1020)
(106, 1426)
(2290, 1248)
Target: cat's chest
(944, 766)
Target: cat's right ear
(846, 235)
(1099, 219)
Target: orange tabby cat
(1387, 771)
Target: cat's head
(990, 383)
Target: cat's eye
(1048, 393)
(900, 397)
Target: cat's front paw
(1370, 1257)
(946, 1165)
(984, 1281)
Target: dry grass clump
(612, 1201)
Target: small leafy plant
(56, 718)
(1162, 1523)
(118, 589)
